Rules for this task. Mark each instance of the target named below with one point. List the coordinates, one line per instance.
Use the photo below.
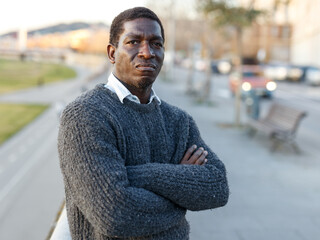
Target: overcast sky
(31, 14)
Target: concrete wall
(306, 52)
(305, 42)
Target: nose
(146, 51)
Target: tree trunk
(239, 70)
(190, 87)
(207, 85)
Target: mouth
(146, 67)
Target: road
(31, 188)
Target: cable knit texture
(120, 164)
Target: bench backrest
(285, 117)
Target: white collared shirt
(122, 92)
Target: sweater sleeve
(96, 180)
(192, 187)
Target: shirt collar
(122, 92)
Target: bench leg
(276, 143)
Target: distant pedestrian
(132, 163)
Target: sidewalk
(273, 195)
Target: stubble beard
(145, 83)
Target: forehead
(141, 26)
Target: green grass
(13, 117)
(15, 75)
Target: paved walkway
(273, 195)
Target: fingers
(202, 159)
(198, 157)
(189, 153)
(195, 156)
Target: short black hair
(128, 15)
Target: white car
(313, 76)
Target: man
(133, 164)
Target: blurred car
(296, 73)
(253, 79)
(285, 71)
(197, 64)
(200, 64)
(312, 76)
(276, 71)
(221, 66)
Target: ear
(111, 53)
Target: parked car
(276, 71)
(253, 79)
(287, 72)
(312, 76)
(296, 73)
(221, 66)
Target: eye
(158, 44)
(133, 42)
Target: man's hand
(195, 156)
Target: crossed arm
(199, 182)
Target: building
(305, 40)
(269, 39)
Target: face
(139, 56)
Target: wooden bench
(280, 124)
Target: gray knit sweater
(122, 176)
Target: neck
(142, 93)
